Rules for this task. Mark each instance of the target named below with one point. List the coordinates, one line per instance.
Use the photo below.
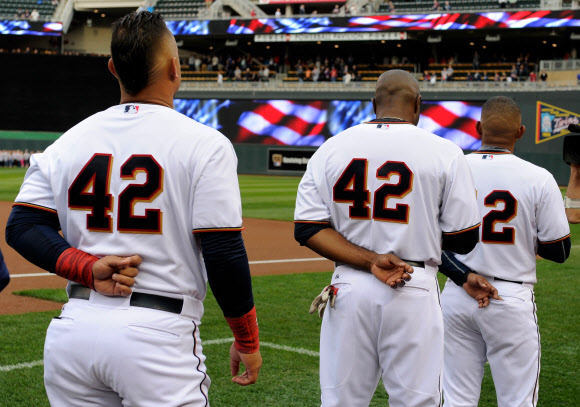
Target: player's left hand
(391, 270)
(252, 362)
(114, 275)
(480, 289)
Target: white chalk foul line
(302, 351)
(251, 262)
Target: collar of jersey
(389, 120)
(492, 150)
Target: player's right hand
(391, 270)
(480, 289)
(252, 362)
(114, 275)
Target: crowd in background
(15, 158)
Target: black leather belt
(508, 281)
(415, 263)
(143, 300)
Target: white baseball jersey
(520, 205)
(387, 187)
(396, 196)
(135, 179)
(138, 179)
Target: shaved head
(397, 95)
(501, 122)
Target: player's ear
(418, 104)
(521, 132)
(112, 67)
(174, 68)
(478, 128)
(374, 105)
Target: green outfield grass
(290, 378)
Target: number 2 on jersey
(351, 186)
(90, 192)
(510, 210)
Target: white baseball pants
(376, 331)
(505, 333)
(102, 352)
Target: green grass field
(289, 376)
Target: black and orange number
(351, 187)
(508, 234)
(90, 192)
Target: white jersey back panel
(524, 206)
(439, 197)
(177, 166)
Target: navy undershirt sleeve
(556, 251)
(453, 268)
(4, 276)
(462, 242)
(34, 234)
(304, 231)
(228, 271)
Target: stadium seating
(367, 74)
(418, 6)
(9, 8)
(180, 8)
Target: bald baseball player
(158, 190)
(573, 194)
(376, 193)
(522, 215)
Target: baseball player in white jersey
(521, 215)
(385, 186)
(138, 179)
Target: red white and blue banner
(378, 23)
(310, 123)
(23, 27)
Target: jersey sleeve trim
(491, 152)
(44, 208)
(205, 230)
(463, 230)
(556, 240)
(315, 222)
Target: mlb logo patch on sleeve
(487, 157)
(131, 109)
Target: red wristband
(246, 332)
(77, 266)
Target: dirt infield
(265, 240)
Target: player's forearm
(573, 192)
(332, 245)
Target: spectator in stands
(533, 77)
(444, 74)
(248, 76)
(26, 14)
(543, 76)
(18, 14)
(447, 6)
(302, 10)
(469, 77)
(355, 74)
(449, 73)
(346, 78)
(237, 74)
(390, 7)
(505, 78)
(34, 16)
(336, 9)
(220, 78)
(477, 76)
(426, 77)
(315, 73)
(333, 74)
(278, 13)
(253, 12)
(436, 6)
(497, 77)
(514, 73)
(475, 60)
(265, 74)
(433, 78)
(484, 77)
(197, 63)
(308, 74)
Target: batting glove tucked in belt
(328, 295)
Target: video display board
(23, 27)
(310, 123)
